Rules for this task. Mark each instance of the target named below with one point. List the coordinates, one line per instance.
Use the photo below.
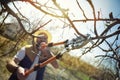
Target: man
(30, 55)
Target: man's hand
(21, 73)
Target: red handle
(27, 72)
(59, 43)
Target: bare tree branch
(66, 16)
(81, 9)
(91, 4)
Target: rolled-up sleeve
(20, 54)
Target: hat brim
(37, 33)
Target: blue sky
(108, 6)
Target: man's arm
(12, 65)
(49, 54)
(54, 63)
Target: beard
(38, 44)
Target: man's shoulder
(28, 46)
(28, 49)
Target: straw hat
(40, 33)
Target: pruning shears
(75, 43)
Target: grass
(73, 72)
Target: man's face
(41, 39)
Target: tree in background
(108, 36)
